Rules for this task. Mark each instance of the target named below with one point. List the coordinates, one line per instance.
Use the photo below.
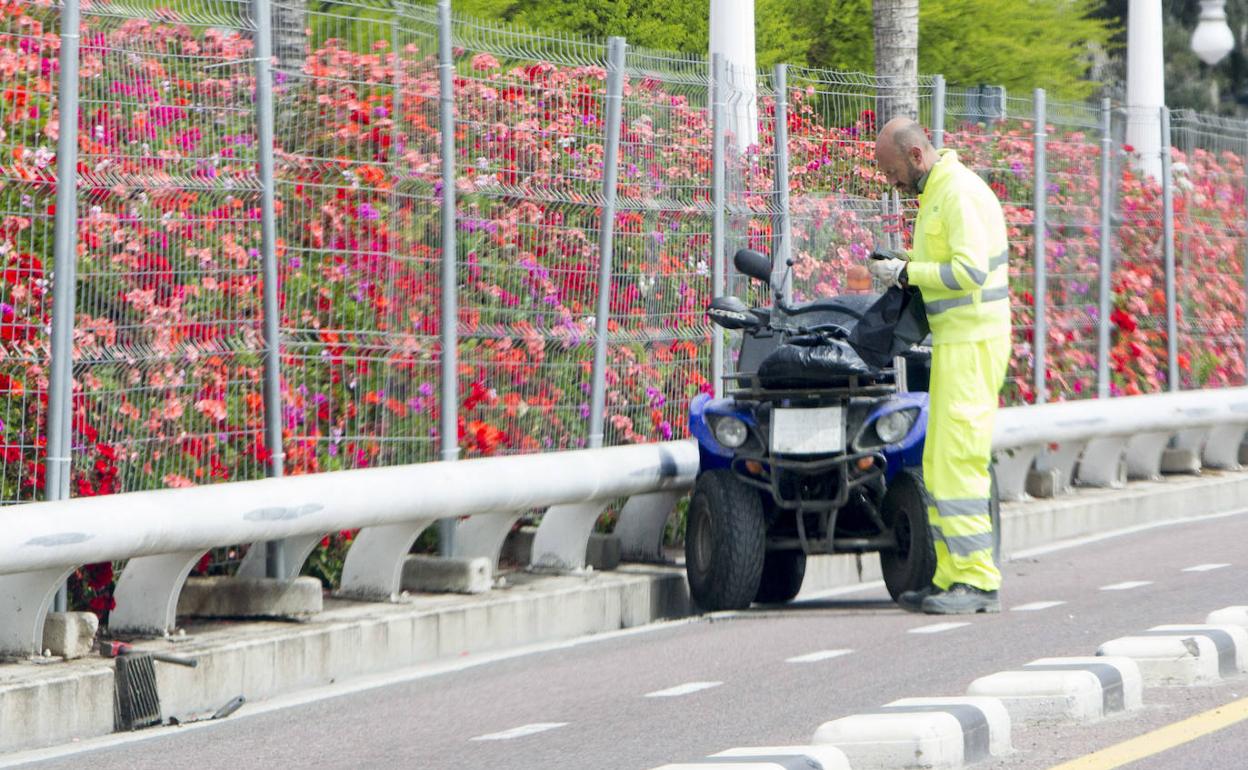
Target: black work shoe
(962, 599)
(912, 601)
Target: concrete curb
(348, 639)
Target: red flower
(100, 604)
(1123, 320)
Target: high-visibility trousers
(965, 384)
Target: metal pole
(60, 385)
(1107, 264)
(449, 428)
(898, 241)
(1039, 256)
(938, 111)
(718, 230)
(1246, 270)
(274, 554)
(1167, 215)
(606, 236)
(779, 261)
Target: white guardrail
(163, 533)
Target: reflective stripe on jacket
(960, 256)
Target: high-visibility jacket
(960, 257)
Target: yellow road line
(1161, 739)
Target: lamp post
(732, 36)
(1146, 82)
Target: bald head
(904, 153)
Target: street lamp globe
(1212, 39)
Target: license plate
(808, 431)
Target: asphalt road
(732, 681)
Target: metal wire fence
(169, 351)
(27, 202)
(1211, 247)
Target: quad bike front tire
(911, 565)
(725, 542)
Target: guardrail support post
(147, 593)
(24, 602)
(642, 523)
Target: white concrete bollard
(1231, 641)
(1045, 694)
(1229, 616)
(827, 757)
(1172, 659)
(1122, 685)
(936, 736)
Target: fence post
(780, 275)
(274, 554)
(60, 385)
(1107, 264)
(606, 236)
(718, 231)
(1040, 329)
(1167, 216)
(938, 111)
(449, 427)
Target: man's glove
(888, 267)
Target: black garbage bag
(810, 363)
(890, 327)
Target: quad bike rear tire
(783, 572)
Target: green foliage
(647, 23)
(1020, 44)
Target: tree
(896, 26)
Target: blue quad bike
(811, 451)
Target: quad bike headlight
(731, 432)
(894, 426)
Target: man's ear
(916, 156)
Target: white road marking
(1035, 606)
(937, 628)
(520, 732)
(1127, 586)
(682, 689)
(815, 657)
(1205, 567)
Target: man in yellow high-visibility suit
(959, 263)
